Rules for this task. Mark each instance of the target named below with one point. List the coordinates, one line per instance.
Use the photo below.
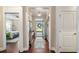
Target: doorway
(39, 28)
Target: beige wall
(53, 27)
(1, 25)
(2, 39)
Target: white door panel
(68, 32)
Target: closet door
(68, 32)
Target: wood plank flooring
(39, 50)
(12, 48)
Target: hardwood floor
(39, 50)
(12, 48)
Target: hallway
(39, 26)
(39, 29)
(39, 46)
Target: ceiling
(39, 12)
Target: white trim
(53, 48)
(4, 35)
(2, 49)
(49, 33)
(77, 33)
(57, 31)
(21, 31)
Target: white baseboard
(53, 48)
(24, 49)
(1, 49)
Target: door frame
(49, 32)
(58, 29)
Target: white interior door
(68, 32)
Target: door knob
(75, 33)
